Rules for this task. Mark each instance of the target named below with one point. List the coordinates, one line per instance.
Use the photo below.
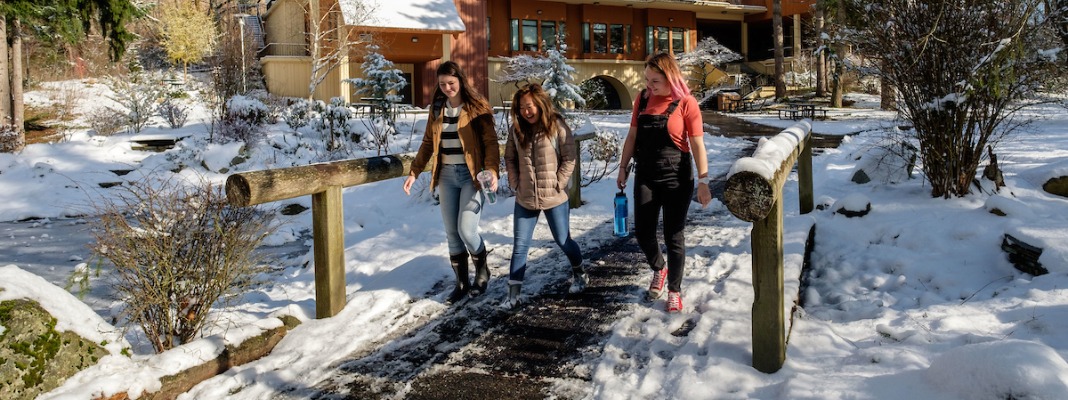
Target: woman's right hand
(621, 180)
(408, 184)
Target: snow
(423, 15)
(914, 300)
(771, 153)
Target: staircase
(253, 26)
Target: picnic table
(803, 110)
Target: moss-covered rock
(34, 357)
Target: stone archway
(616, 94)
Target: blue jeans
(461, 207)
(523, 231)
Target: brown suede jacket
(477, 137)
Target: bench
(790, 113)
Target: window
(515, 34)
(678, 40)
(548, 34)
(666, 39)
(618, 39)
(604, 38)
(585, 37)
(600, 38)
(535, 35)
(530, 35)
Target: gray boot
(514, 300)
(579, 279)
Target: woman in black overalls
(665, 135)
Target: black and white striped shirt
(451, 151)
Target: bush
(297, 115)
(333, 122)
(138, 93)
(600, 156)
(174, 112)
(243, 120)
(177, 250)
(106, 121)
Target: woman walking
(665, 134)
(539, 156)
(461, 139)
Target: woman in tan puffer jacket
(539, 156)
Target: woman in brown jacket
(539, 156)
(460, 141)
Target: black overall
(663, 180)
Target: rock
(36, 357)
(853, 205)
(1057, 186)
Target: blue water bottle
(621, 215)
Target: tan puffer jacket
(537, 174)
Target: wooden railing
(324, 183)
(753, 193)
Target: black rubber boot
(482, 272)
(463, 281)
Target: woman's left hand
(493, 183)
(704, 194)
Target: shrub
(138, 93)
(106, 121)
(174, 112)
(243, 120)
(178, 249)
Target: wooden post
(769, 340)
(804, 177)
(328, 234)
(756, 198)
(324, 183)
(574, 194)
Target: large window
(666, 39)
(535, 35)
(602, 38)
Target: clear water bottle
(620, 227)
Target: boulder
(36, 357)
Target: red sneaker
(674, 302)
(657, 285)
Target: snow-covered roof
(422, 15)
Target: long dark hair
(547, 115)
(474, 103)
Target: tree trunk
(886, 95)
(5, 76)
(837, 91)
(780, 69)
(17, 74)
(821, 55)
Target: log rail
(753, 193)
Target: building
(607, 40)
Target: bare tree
(960, 68)
(331, 35)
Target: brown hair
(474, 103)
(547, 115)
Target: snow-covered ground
(915, 300)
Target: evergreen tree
(559, 81)
(381, 81)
